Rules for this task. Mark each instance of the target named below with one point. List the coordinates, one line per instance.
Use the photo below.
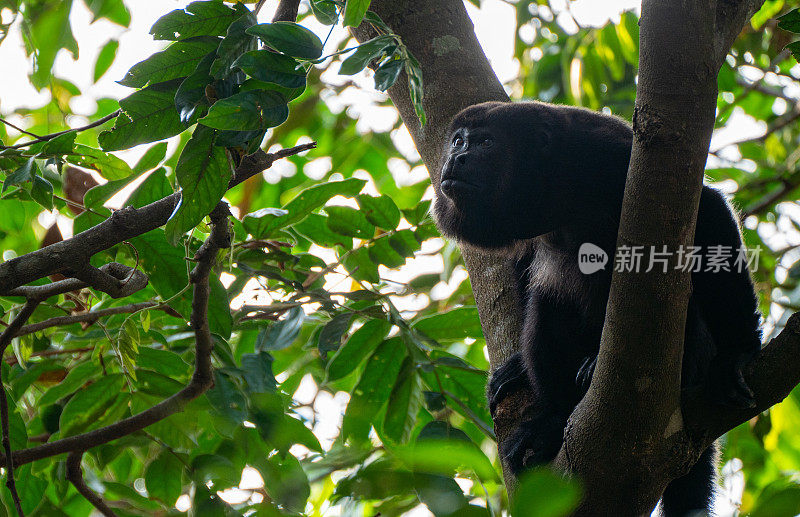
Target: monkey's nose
(461, 159)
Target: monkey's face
(487, 190)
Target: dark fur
(534, 181)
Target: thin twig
(75, 476)
(51, 136)
(12, 360)
(86, 317)
(9, 124)
(5, 340)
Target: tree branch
(123, 225)
(51, 136)
(88, 317)
(201, 380)
(75, 476)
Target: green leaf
(286, 481)
(50, 29)
(366, 52)
(381, 251)
(112, 10)
(404, 403)
(128, 346)
(196, 19)
(324, 11)
(251, 110)
(108, 165)
(270, 67)
(361, 265)
(454, 324)
(330, 337)
(62, 144)
(216, 469)
(190, 98)
(149, 115)
(203, 172)
(22, 174)
(790, 21)
(380, 211)
(89, 404)
(550, 493)
(220, 320)
(283, 333)
(164, 362)
(361, 344)
(315, 228)
(257, 371)
(163, 478)
(415, 88)
(177, 60)
(227, 399)
(418, 213)
(77, 377)
(354, 11)
(386, 74)
(373, 389)
(290, 38)
(30, 488)
(42, 192)
(151, 158)
(349, 221)
(236, 42)
(263, 223)
(105, 58)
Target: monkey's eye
(458, 141)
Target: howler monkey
(535, 181)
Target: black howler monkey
(535, 181)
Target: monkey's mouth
(457, 189)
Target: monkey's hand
(727, 379)
(507, 380)
(535, 442)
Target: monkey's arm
(726, 298)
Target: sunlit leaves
(262, 223)
(361, 344)
(354, 11)
(289, 38)
(372, 390)
(177, 60)
(105, 58)
(196, 19)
